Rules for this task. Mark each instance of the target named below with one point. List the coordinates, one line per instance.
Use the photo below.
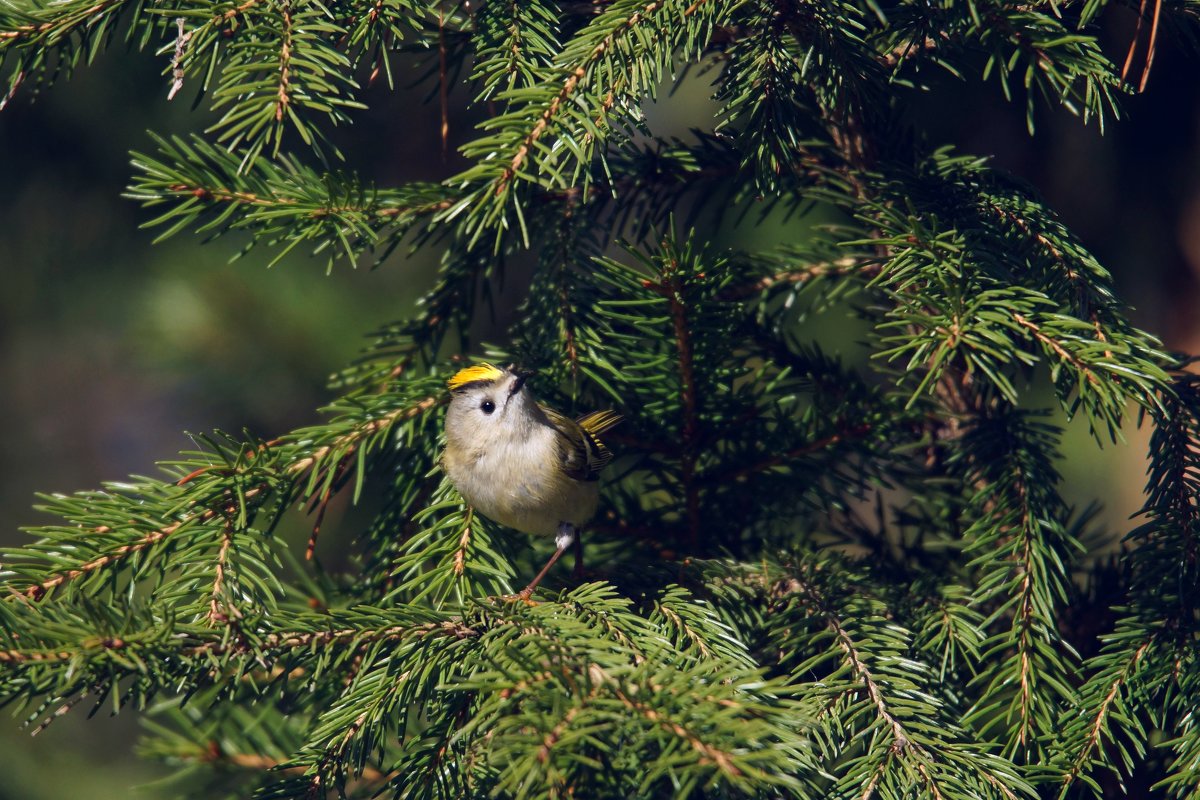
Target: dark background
(111, 347)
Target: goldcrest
(520, 463)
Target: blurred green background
(111, 347)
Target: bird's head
(489, 404)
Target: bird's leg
(577, 570)
(566, 535)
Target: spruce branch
(805, 273)
(283, 205)
(643, 38)
(517, 42)
(284, 69)
(1105, 697)
(986, 311)
(1024, 553)
(845, 415)
(63, 23)
(200, 504)
(871, 688)
(1142, 663)
(672, 287)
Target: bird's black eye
(487, 406)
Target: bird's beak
(521, 376)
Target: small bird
(520, 463)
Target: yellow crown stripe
(477, 372)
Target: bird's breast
(521, 485)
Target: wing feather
(593, 425)
(583, 454)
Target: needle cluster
(828, 573)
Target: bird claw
(520, 597)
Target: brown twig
(311, 547)
(863, 675)
(249, 198)
(672, 288)
(177, 72)
(1093, 738)
(36, 30)
(322, 504)
(901, 52)
(369, 429)
(1133, 43)
(1153, 46)
(346, 461)
(712, 755)
(285, 60)
(901, 742)
(1058, 349)
(215, 614)
(1057, 255)
(188, 648)
(564, 94)
(59, 712)
(687, 630)
(264, 763)
(869, 789)
(551, 738)
(1025, 619)
(839, 266)
(18, 656)
(325, 638)
(235, 11)
(443, 82)
(1037, 236)
(464, 541)
(17, 79)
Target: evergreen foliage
(810, 577)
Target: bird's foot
(524, 596)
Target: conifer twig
(672, 288)
(721, 759)
(1096, 728)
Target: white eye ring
(487, 406)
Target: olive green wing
(593, 425)
(582, 453)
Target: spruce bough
(818, 577)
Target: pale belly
(530, 497)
